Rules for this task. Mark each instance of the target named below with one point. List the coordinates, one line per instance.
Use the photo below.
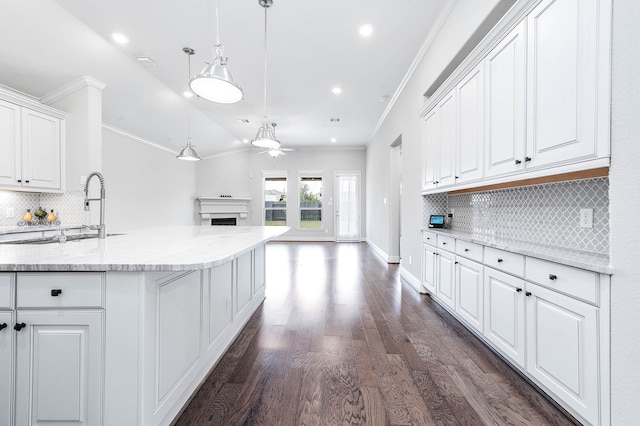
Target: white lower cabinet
(562, 348)
(6, 366)
(429, 267)
(446, 278)
(504, 324)
(59, 368)
(469, 292)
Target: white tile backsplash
(543, 214)
(68, 207)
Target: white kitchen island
(122, 330)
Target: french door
(347, 206)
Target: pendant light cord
(217, 21)
(265, 63)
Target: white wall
(239, 174)
(624, 205)
(464, 19)
(145, 186)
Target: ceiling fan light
(215, 84)
(188, 154)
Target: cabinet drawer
(512, 263)
(469, 250)
(429, 238)
(6, 281)
(565, 279)
(447, 243)
(60, 290)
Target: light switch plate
(586, 218)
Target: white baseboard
(411, 280)
(394, 259)
(304, 239)
(383, 254)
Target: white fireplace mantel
(223, 207)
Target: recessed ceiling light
(145, 60)
(245, 140)
(366, 30)
(119, 38)
(334, 140)
(336, 90)
(188, 94)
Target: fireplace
(223, 211)
(223, 221)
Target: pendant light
(215, 83)
(266, 137)
(188, 153)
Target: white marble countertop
(35, 228)
(174, 248)
(579, 259)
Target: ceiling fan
(275, 152)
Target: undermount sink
(56, 239)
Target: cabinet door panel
(429, 268)
(504, 324)
(259, 269)
(220, 301)
(562, 81)
(470, 127)
(470, 292)
(505, 104)
(59, 368)
(562, 348)
(446, 278)
(244, 282)
(9, 144)
(448, 140)
(431, 135)
(6, 367)
(40, 150)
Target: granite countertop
(579, 259)
(175, 248)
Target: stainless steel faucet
(102, 229)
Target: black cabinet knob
(500, 260)
(56, 292)
(518, 162)
(3, 326)
(519, 290)
(456, 263)
(457, 177)
(466, 250)
(19, 326)
(527, 159)
(444, 244)
(26, 181)
(553, 277)
(19, 180)
(528, 293)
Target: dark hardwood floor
(341, 341)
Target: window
(275, 200)
(310, 201)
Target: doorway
(395, 194)
(347, 206)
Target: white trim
(411, 280)
(377, 250)
(433, 34)
(304, 239)
(224, 154)
(72, 87)
(133, 137)
(22, 99)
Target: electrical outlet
(9, 212)
(586, 218)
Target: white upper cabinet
(469, 162)
(563, 83)
(505, 103)
(31, 145)
(431, 139)
(447, 153)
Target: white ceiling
(312, 47)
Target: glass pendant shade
(188, 153)
(266, 138)
(215, 84)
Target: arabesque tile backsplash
(545, 214)
(68, 207)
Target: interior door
(347, 206)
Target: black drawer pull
(553, 277)
(3, 326)
(56, 292)
(500, 260)
(444, 244)
(519, 290)
(19, 326)
(518, 161)
(528, 293)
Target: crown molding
(131, 136)
(72, 87)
